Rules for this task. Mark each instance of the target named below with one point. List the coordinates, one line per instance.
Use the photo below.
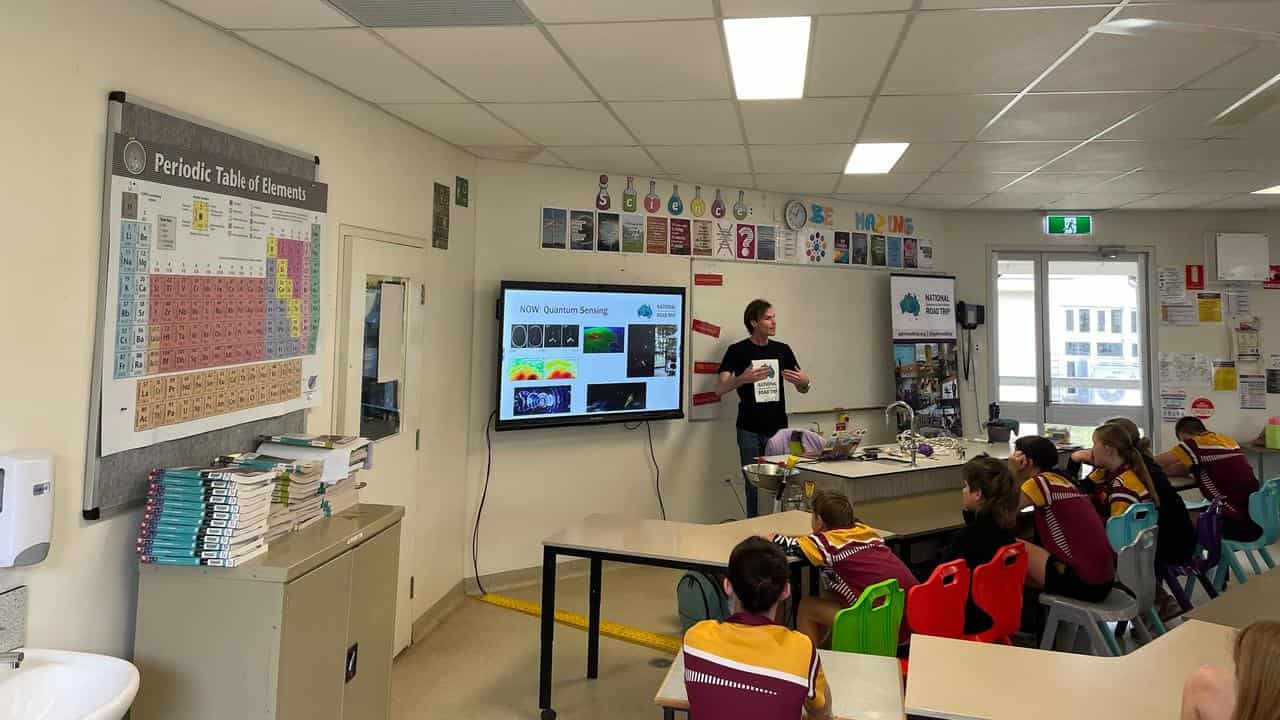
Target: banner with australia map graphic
(923, 307)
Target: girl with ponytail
(1121, 476)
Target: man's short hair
(754, 312)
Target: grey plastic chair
(1135, 570)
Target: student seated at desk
(1253, 693)
(852, 556)
(1076, 560)
(1119, 477)
(1221, 472)
(748, 666)
(990, 500)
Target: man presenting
(752, 367)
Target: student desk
(863, 687)
(960, 680)
(684, 546)
(1257, 599)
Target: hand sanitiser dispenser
(26, 506)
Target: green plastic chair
(1264, 509)
(1123, 529)
(871, 626)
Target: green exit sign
(1068, 224)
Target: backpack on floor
(699, 597)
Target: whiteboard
(836, 320)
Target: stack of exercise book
(296, 500)
(206, 516)
(341, 457)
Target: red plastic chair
(936, 607)
(997, 589)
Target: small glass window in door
(383, 358)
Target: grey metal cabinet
(305, 632)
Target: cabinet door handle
(353, 657)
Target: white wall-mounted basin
(63, 685)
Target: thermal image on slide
(559, 369)
(602, 340)
(525, 370)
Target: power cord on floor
(657, 476)
(475, 531)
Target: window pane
(1110, 349)
(1078, 348)
(1071, 320)
(1135, 349)
(1102, 321)
(1117, 317)
(1015, 331)
(1084, 321)
(379, 401)
(1133, 321)
(1091, 365)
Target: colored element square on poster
(702, 238)
(841, 239)
(632, 234)
(746, 241)
(440, 217)
(858, 249)
(1195, 277)
(879, 251)
(655, 235)
(461, 191)
(555, 228)
(680, 237)
(582, 230)
(724, 241)
(1209, 307)
(909, 257)
(893, 251)
(766, 243)
(816, 249)
(607, 232)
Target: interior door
(379, 384)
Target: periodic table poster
(212, 294)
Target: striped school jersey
(750, 667)
(851, 559)
(1117, 490)
(1221, 471)
(1070, 528)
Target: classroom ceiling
(1007, 104)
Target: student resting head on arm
(1221, 471)
(1253, 693)
(989, 497)
(748, 666)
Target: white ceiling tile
(1118, 155)
(880, 184)
(800, 158)
(1096, 201)
(1239, 181)
(1006, 156)
(1265, 128)
(926, 157)
(791, 8)
(711, 181)
(1113, 62)
(689, 122)
(532, 154)
(460, 124)
(493, 64)
(930, 119)
(839, 67)
(966, 183)
(612, 159)
(1002, 51)
(1171, 201)
(1183, 114)
(797, 183)
(1226, 154)
(950, 4)
(941, 202)
(1250, 14)
(1246, 202)
(564, 123)
(274, 15)
(1045, 182)
(1010, 201)
(577, 11)
(638, 61)
(1145, 182)
(1246, 73)
(811, 120)
(355, 60)
(870, 199)
(1070, 116)
(677, 159)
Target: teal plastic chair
(1264, 509)
(871, 626)
(1122, 530)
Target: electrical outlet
(977, 347)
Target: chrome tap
(911, 419)
(12, 660)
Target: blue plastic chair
(1122, 530)
(1264, 509)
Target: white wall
(1177, 239)
(62, 58)
(545, 479)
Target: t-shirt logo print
(815, 247)
(910, 305)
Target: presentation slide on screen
(924, 308)
(567, 353)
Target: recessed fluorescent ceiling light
(1273, 190)
(872, 158)
(768, 56)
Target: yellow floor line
(635, 636)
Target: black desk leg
(593, 627)
(548, 632)
(668, 714)
(795, 594)
(815, 587)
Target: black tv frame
(596, 418)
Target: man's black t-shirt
(762, 418)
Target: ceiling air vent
(433, 13)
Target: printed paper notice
(1184, 369)
(1173, 405)
(1273, 375)
(1237, 301)
(1253, 391)
(767, 390)
(1224, 375)
(1209, 307)
(1173, 285)
(1179, 314)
